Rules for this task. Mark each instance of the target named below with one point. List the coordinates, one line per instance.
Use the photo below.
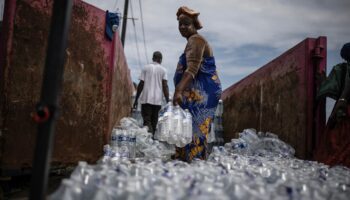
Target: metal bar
(319, 56)
(125, 17)
(51, 87)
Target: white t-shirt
(152, 75)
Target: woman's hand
(177, 99)
(185, 81)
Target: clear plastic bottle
(107, 153)
(211, 137)
(68, 190)
(80, 172)
(218, 124)
(177, 125)
(250, 136)
(238, 146)
(115, 153)
(187, 127)
(219, 130)
(167, 122)
(123, 148)
(219, 109)
(114, 137)
(159, 135)
(132, 143)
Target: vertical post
(319, 58)
(125, 17)
(46, 112)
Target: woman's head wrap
(345, 52)
(191, 13)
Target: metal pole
(46, 111)
(125, 17)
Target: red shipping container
(96, 90)
(280, 97)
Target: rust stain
(89, 105)
(81, 128)
(268, 104)
(23, 84)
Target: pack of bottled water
(122, 144)
(174, 126)
(130, 141)
(252, 143)
(225, 175)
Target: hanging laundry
(111, 20)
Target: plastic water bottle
(159, 135)
(218, 124)
(219, 109)
(211, 137)
(219, 130)
(132, 144)
(271, 135)
(177, 125)
(68, 190)
(167, 122)
(114, 138)
(107, 153)
(115, 143)
(187, 127)
(180, 142)
(123, 146)
(238, 146)
(250, 136)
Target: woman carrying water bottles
(198, 87)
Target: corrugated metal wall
(96, 90)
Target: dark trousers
(149, 114)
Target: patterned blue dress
(201, 99)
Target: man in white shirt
(153, 84)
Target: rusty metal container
(96, 90)
(279, 97)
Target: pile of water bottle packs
(252, 143)
(129, 141)
(174, 126)
(237, 170)
(122, 144)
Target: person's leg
(155, 112)
(146, 112)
